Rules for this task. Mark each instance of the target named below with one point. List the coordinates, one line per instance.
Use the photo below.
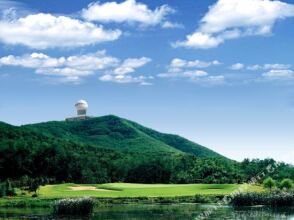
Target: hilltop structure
(81, 107)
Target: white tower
(81, 107)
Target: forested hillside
(111, 149)
(120, 134)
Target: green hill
(112, 132)
(112, 149)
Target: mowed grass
(114, 190)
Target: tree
(34, 185)
(2, 189)
(269, 183)
(10, 191)
(286, 184)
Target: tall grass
(274, 199)
(80, 206)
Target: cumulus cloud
(237, 66)
(73, 68)
(189, 69)
(143, 80)
(62, 65)
(231, 19)
(130, 65)
(42, 31)
(180, 63)
(184, 74)
(128, 11)
(122, 73)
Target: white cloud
(122, 73)
(254, 67)
(171, 25)
(125, 79)
(277, 66)
(282, 74)
(43, 31)
(237, 66)
(274, 66)
(70, 68)
(73, 68)
(44, 63)
(66, 71)
(184, 74)
(180, 63)
(231, 19)
(130, 65)
(128, 11)
(199, 40)
(189, 69)
(216, 80)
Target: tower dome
(81, 107)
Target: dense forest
(111, 149)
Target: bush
(269, 183)
(270, 199)
(81, 206)
(286, 184)
(34, 195)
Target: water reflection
(160, 212)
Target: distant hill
(116, 133)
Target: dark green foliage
(81, 207)
(34, 185)
(111, 149)
(2, 190)
(10, 190)
(6, 189)
(155, 171)
(120, 134)
(270, 199)
(177, 142)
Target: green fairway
(112, 190)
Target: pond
(160, 212)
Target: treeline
(69, 162)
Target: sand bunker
(91, 188)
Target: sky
(218, 72)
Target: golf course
(114, 190)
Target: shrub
(35, 195)
(286, 184)
(270, 199)
(80, 206)
(269, 183)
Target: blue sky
(220, 73)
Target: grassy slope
(140, 190)
(120, 134)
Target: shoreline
(46, 202)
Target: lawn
(114, 190)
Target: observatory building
(81, 107)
